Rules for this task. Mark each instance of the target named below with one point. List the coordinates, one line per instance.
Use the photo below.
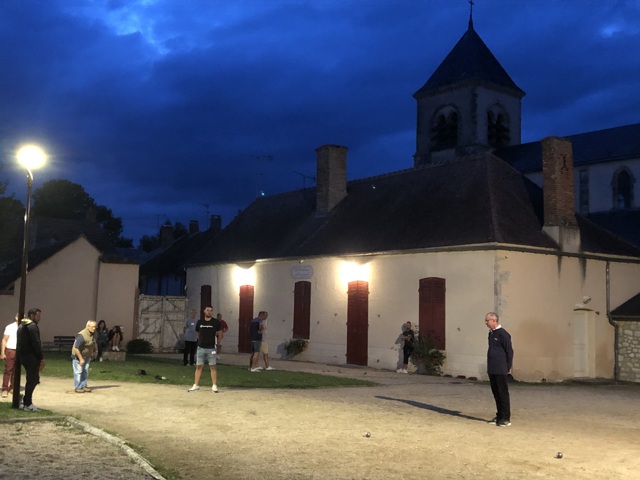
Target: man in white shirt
(8, 354)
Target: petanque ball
(559, 455)
(368, 434)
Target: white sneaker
(116, 348)
(195, 388)
(255, 370)
(30, 408)
(270, 368)
(214, 389)
(399, 370)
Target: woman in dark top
(115, 337)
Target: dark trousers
(32, 367)
(407, 351)
(190, 352)
(500, 390)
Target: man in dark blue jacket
(29, 354)
(499, 363)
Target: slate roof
(54, 234)
(469, 61)
(173, 258)
(629, 310)
(608, 145)
(624, 223)
(472, 200)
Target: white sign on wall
(302, 272)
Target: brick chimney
(559, 203)
(331, 177)
(194, 227)
(166, 235)
(215, 223)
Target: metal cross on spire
(471, 4)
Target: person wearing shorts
(209, 335)
(264, 345)
(255, 331)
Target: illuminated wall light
(244, 276)
(351, 271)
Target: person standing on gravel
(190, 337)
(8, 354)
(209, 335)
(29, 354)
(83, 350)
(499, 363)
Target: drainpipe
(616, 365)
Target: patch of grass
(175, 373)
(7, 412)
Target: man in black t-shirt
(209, 335)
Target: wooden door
(358, 323)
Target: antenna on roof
(304, 178)
(471, 4)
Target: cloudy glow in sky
(176, 109)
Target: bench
(60, 343)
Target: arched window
(444, 130)
(622, 189)
(498, 132)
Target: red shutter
(302, 310)
(245, 315)
(431, 310)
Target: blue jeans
(80, 373)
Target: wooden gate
(161, 320)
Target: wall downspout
(616, 365)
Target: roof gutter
(616, 363)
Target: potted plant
(295, 346)
(428, 358)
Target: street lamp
(30, 157)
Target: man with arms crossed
(209, 335)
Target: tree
(12, 221)
(64, 199)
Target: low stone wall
(629, 350)
(111, 356)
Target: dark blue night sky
(176, 109)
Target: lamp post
(30, 157)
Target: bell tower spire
(469, 105)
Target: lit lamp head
(31, 157)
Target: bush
(295, 346)
(139, 345)
(426, 355)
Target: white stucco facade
(538, 296)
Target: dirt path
(421, 427)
